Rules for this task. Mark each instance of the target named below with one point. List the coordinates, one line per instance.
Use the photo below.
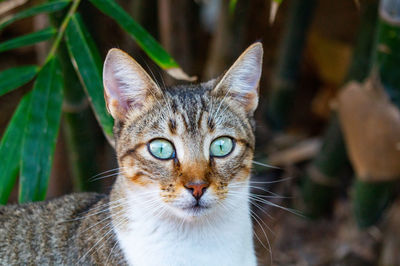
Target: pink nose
(197, 188)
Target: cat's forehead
(196, 102)
(191, 93)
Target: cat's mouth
(196, 209)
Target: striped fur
(150, 216)
(190, 117)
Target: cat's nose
(197, 188)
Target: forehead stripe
(185, 123)
(172, 126)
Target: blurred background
(328, 121)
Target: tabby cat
(182, 194)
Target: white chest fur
(226, 240)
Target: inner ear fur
(241, 81)
(127, 86)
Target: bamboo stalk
(370, 199)
(285, 77)
(321, 180)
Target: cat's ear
(240, 82)
(127, 86)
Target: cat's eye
(161, 149)
(221, 147)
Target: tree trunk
(372, 198)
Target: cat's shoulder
(61, 206)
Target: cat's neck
(222, 237)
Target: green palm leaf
(28, 39)
(43, 8)
(10, 149)
(152, 48)
(13, 78)
(41, 131)
(87, 63)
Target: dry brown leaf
(371, 127)
(272, 11)
(178, 73)
(10, 4)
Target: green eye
(221, 147)
(161, 149)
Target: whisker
(155, 80)
(239, 184)
(274, 195)
(105, 219)
(266, 165)
(225, 96)
(262, 221)
(270, 196)
(105, 172)
(216, 238)
(223, 111)
(107, 233)
(112, 249)
(257, 219)
(105, 207)
(267, 202)
(256, 198)
(254, 215)
(231, 193)
(271, 182)
(110, 175)
(261, 209)
(182, 223)
(109, 217)
(256, 235)
(120, 221)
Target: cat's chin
(192, 213)
(196, 211)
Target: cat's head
(187, 148)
